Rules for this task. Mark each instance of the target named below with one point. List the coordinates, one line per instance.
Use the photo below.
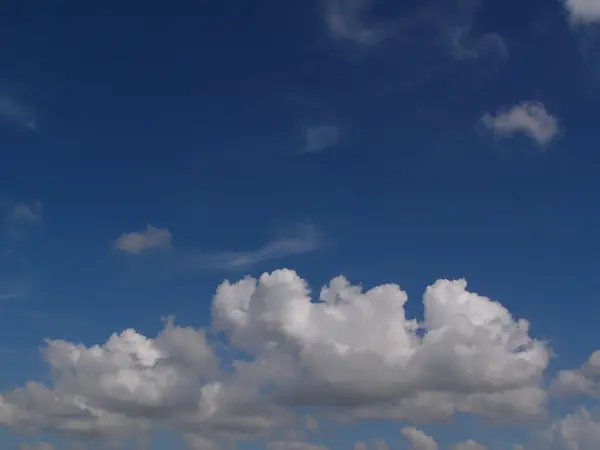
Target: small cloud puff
(320, 137)
(530, 118)
(139, 242)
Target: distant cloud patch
(299, 240)
(139, 242)
(25, 213)
(418, 439)
(583, 11)
(345, 21)
(14, 111)
(530, 118)
(446, 27)
(8, 295)
(320, 137)
(40, 446)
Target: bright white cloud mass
(583, 11)
(348, 353)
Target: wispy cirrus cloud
(449, 24)
(298, 240)
(15, 111)
(138, 242)
(11, 295)
(345, 21)
(433, 38)
(530, 118)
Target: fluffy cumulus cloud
(468, 355)
(529, 118)
(418, 439)
(584, 381)
(577, 431)
(583, 11)
(141, 241)
(348, 353)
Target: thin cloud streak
(8, 296)
(434, 37)
(300, 240)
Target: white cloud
(530, 118)
(14, 111)
(320, 137)
(584, 381)
(418, 439)
(352, 351)
(141, 241)
(295, 241)
(577, 431)
(474, 357)
(469, 445)
(25, 213)
(583, 11)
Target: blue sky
(152, 151)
